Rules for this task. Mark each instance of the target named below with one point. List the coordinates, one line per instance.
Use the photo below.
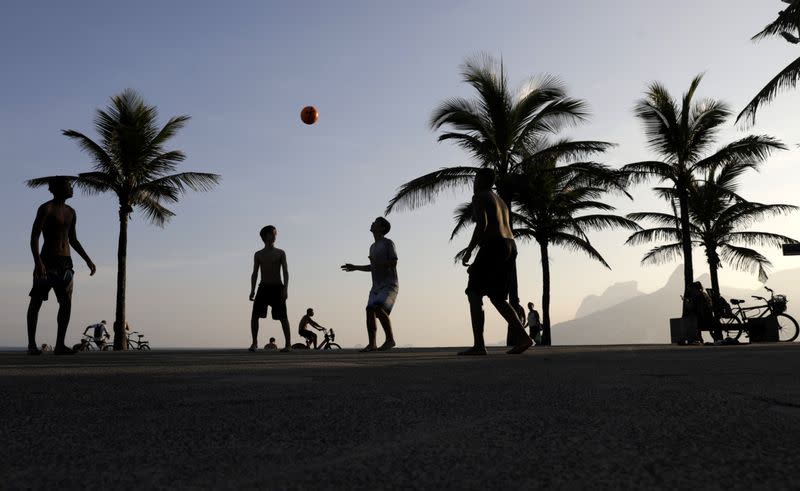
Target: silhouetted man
(271, 345)
(492, 271)
(534, 324)
(99, 333)
(385, 285)
(55, 222)
(308, 321)
(272, 292)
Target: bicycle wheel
(787, 328)
(144, 347)
(731, 327)
(334, 346)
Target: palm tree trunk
(713, 269)
(686, 241)
(120, 339)
(546, 339)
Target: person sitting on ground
(305, 332)
(100, 333)
(271, 344)
(46, 348)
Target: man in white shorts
(385, 286)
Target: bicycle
(138, 344)
(328, 342)
(90, 343)
(734, 321)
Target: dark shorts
(307, 334)
(494, 269)
(58, 278)
(270, 296)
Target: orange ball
(309, 115)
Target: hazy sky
(375, 71)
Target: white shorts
(383, 298)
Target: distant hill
(614, 294)
(644, 318)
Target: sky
(375, 71)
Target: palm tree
(788, 20)
(130, 161)
(719, 217)
(494, 128)
(681, 134)
(553, 207)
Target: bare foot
(252, 347)
(521, 347)
(368, 348)
(286, 349)
(474, 351)
(386, 346)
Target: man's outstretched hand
(348, 267)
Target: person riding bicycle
(100, 333)
(305, 332)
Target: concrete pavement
(566, 417)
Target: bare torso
(495, 211)
(270, 261)
(56, 222)
(305, 321)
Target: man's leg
(33, 319)
(287, 335)
(64, 312)
(386, 323)
(314, 339)
(371, 331)
(478, 318)
(517, 329)
(254, 330)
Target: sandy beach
(600, 417)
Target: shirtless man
(272, 292)
(385, 286)
(492, 271)
(55, 221)
(307, 321)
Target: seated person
(311, 338)
(271, 344)
(100, 333)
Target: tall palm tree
(719, 219)
(681, 134)
(554, 206)
(494, 128)
(788, 21)
(130, 160)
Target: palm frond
(422, 190)
(747, 152)
(745, 259)
(663, 254)
(656, 234)
(574, 243)
(463, 216)
(786, 79)
(787, 20)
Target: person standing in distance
(272, 292)
(55, 222)
(492, 271)
(385, 285)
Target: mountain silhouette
(644, 318)
(614, 294)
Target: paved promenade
(568, 417)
